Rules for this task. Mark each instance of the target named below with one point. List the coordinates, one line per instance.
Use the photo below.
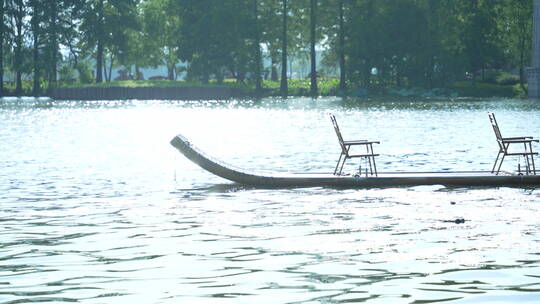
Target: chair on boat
(504, 144)
(346, 146)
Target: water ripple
(114, 214)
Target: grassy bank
(297, 87)
(301, 87)
(326, 87)
(146, 83)
(483, 89)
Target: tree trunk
(35, 30)
(111, 67)
(522, 46)
(313, 23)
(17, 62)
(54, 44)
(341, 49)
(284, 90)
(108, 71)
(483, 71)
(366, 73)
(273, 69)
(398, 77)
(2, 29)
(257, 46)
(138, 74)
(99, 53)
(99, 62)
(170, 71)
(431, 45)
(75, 60)
(205, 74)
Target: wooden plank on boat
(384, 179)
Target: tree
(161, 31)
(64, 28)
(313, 24)
(105, 26)
(481, 39)
(270, 33)
(217, 39)
(341, 47)
(257, 49)
(424, 43)
(2, 35)
(18, 12)
(516, 26)
(54, 21)
(99, 32)
(283, 88)
(331, 28)
(36, 23)
(406, 47)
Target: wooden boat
(276, 179)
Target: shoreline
(144, 93)
(165, 91)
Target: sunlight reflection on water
(98, 207)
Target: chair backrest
(338, 133)
(496, 130)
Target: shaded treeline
(367, 43)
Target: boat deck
(383, 179)
(437, 174)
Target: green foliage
(298, 87)
(501, 78)
(520, 91)
(482, 89)
(301, 87)
(216, 38)
(159, 41)
(67, 74)
(411, 43)
(10, 88)
(146, 83)
(85, 72)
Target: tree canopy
(363, 43)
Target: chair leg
(342, 164)
(338, 162)
(528, 164)
(370, 166)
(532, 159)
(374, 166)
(500, 164)
(496, 160)
(369, 158)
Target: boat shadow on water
(238, 187)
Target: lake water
(97, 207)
